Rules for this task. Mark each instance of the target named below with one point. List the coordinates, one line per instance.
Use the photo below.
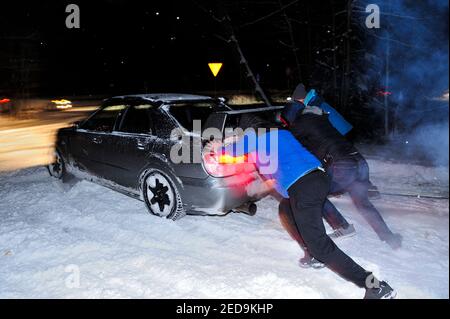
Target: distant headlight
(62, 104)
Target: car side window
(104, 120)
(162, 124)
(138, 120)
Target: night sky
(138, 46)
(129, 47)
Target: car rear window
(186, 113)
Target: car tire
(161, 195)
(57, 169)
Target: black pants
(307, 197)
(352, 175)
(333, 217)
(329, 212)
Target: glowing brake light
(228, 159)
(4, 101)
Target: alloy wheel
(160, 194)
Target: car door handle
(97, 140)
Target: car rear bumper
(220, 195)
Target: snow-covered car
(126, 145)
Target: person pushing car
(323, 136)
(299, 177)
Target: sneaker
(394, 241)
(342, 232)
(309, 261)
(384, 291)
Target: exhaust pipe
(249, 208)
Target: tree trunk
(250, 75)
(243, 61)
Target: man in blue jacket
(298, 176)
(321, 130)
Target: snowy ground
(49, 235)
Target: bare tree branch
(269, 15)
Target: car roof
(164, 97)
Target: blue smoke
(415, 33)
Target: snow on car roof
(166, 97)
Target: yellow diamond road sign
(215, 68)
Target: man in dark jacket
(311, 126)
(299, 178)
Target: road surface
(28, 142)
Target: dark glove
(291, 110)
